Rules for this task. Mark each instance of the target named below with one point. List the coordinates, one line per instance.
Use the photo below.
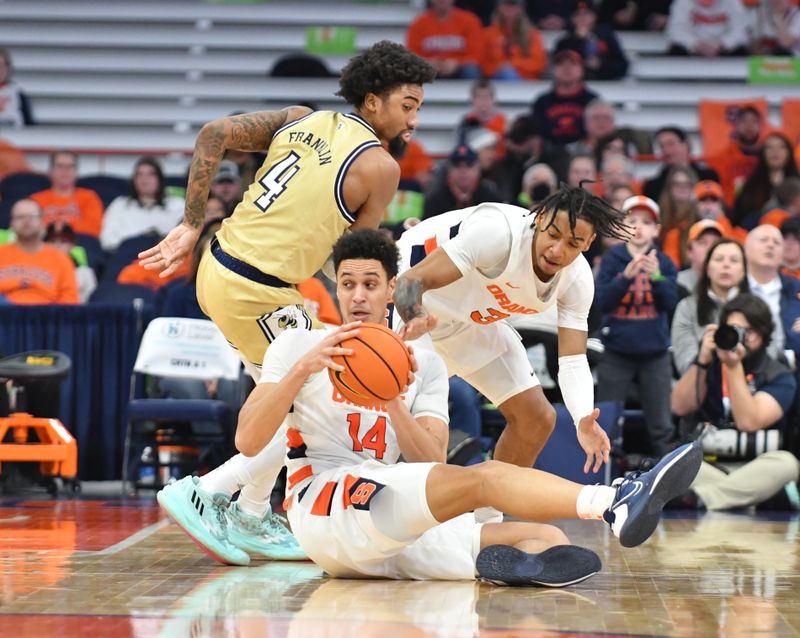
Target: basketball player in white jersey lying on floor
(357, 512)
(465, 271)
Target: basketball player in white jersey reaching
(468, 270)
(357, 512)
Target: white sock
(261, 470)
(254, 497)
(594, 500)
(228, 477)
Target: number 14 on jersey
(373, 439)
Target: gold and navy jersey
(294, 211)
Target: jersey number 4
(276, 178)
(374, 439)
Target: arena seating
(147, 76)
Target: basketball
(378, 368)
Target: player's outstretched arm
(246, 132)
(269, 403)
(577, 388)
(435, 271)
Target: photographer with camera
(737, 394)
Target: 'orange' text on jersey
(508, 307)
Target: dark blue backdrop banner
(102, 341)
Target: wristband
(702, 366)
(657, 277)
(577, 385)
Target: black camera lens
(540, 192)
(728, 337)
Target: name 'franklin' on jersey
(508, 285)
(325, 431)
(294, 211)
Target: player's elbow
(247, 445)
(245, 440)
(210, 131)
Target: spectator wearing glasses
(32, 272)
(66, 203)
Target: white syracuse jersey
(479, 300)
(325, 431)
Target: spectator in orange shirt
(514, 49)
(32, 272)
(737, 161)
(451, 39)
(711, 206)
(81, 208)
(483, 114)
(415, 167)
(135, 274)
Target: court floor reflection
(117, 568)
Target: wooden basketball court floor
(118, 568)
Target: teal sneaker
(266, 537)
(202, 516)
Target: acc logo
(173, 329)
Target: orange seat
(56, 450)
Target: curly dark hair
(381, 68)
(368, 244)
(579, 203)
(755, 310)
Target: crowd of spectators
(707, 231)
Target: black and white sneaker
(557, 566)
(641, 496)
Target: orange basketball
(378, 368)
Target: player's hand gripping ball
(377, 370)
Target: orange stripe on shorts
(303, 472)
(293, 438)
(322, 506)
(348, 483)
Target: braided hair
(579, 203)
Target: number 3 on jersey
(374, 439)
(276, 178)
(492, 315)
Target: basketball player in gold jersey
(324, 172)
